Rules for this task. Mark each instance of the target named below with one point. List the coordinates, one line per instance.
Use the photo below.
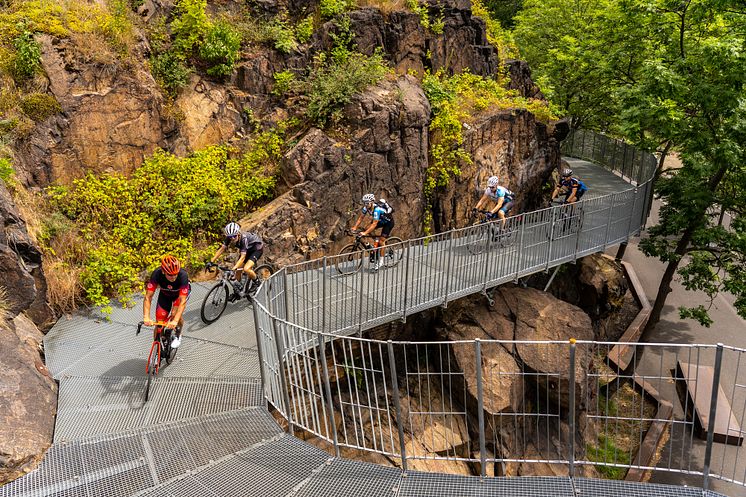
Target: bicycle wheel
(168, 353)
(393, 255)
(214, 303)
(151, 367)
(263, 272)
(479, 239)
(350, 259)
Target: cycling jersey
(169, 289)
(249, 242)
(500, 192)
(571, 183)
(379, 214)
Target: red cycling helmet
(170, 264)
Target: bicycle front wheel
(214, 303)
(152, 366)
(350, 259)
(394, 255)
(479, 239)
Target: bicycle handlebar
(155, 323)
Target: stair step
(127, 463)
(95, 406)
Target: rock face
(384, 151)
(28, 399)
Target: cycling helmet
(170, 264)
(493, 181)
(232, 229)
(566, 173)
(369, 197)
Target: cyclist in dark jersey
(251, 247)
(574, 188)
(174, 286)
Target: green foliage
(169, 204)
(454, 101)
(6, 169)
(283, 82)
(500, 38)
(304, 29)
(282, 35)
(170, 70)
(607, 452)
(27, 59)
(220, 49)
(333, 8)
(421, 10)
(189, 26)
(503, 11)
(39, 106)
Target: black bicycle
(352, 255)
(159, 350)
(228, 290)
(568, 220)
(490, 232)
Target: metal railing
(406, 400)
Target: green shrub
(282, 35)
(6, 169)
(220, 49)
(27, 59)
(170, 70)
(190, 25)
(499, 37)
(283, 82)
(8, 125)
(421, 10)
(39, 106)
(170, 204)
(333, 83)
(332, 8)
(304, 30)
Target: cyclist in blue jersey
(574, 188)
(381, 219)
(500, 196)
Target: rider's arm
(359, 220)
(146, 305)
(556, 190)
(370, 228)
(240, 261)
(179, 310)
(571, 198)
(499, 204)
(218, 253)
(482, 202)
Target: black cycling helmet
(566, 173)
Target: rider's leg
(162, 311)
(503, 211)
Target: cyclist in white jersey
(500, 196)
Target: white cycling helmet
(566, 173)
(493, 181)
(232, 229)
(369, 197)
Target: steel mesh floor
(417, 484)
(346, 478)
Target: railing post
(571, 420)
(286, 317)
(323, 296)
(259, 347)
(480, 407)
(632, 212)
(608, 223)
(487, 256)
(551, 234)
(450, 264)
(520, 249)
(328, 392)
(406, 283)
(397, 406)
(713, 411)
(362, 297)
(279, 342)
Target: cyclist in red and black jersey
(174, 286)
(251, 247)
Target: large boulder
(28, 399)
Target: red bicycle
(160, 349)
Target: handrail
(306, 306)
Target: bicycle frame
(159, 330)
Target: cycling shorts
(386, 229)
(577, 195)
(166, 304)
(253, 255)
(506, 207)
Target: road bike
(228, 290)
(159, 350)
(568, 220)
(350, 259)
(489, 232)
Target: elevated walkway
(207, 432)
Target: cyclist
(174, 286)
(574, 188)
(381, 219)
(500, 196)
(250, 246)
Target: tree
(673, 74)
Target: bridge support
(551, 278)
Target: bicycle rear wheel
(479, 239)
(214, 303)
(394, 255)
(350, 259)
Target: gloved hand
(474, 211)
(210, 265)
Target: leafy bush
(171, 71)
(6, 169)
(170, 204)
(39, 106)
(332, 8)
(27, 59)
(499, 37)
(283, 82)
(220, 49)
(333, 82)
(190, 25)
(282, 35)
(304, 30)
